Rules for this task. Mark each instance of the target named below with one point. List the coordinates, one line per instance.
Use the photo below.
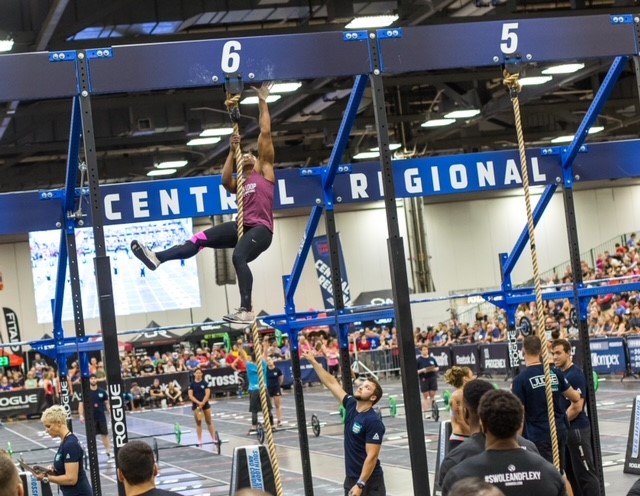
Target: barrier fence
(608, 356)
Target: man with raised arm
(363, 432)
(259, 189)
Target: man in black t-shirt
(363, 432)
(428, 374)
(580, 466)
(472, 393)
(516, 472)
(137, 470)
(529, 386)
(99, 403)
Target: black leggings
(255, 240)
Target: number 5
(231, 57)
(509, 38)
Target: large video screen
(136, 289)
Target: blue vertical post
(509, 262)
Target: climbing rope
(232, 103)
(512, 82)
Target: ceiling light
(203, 141)
(253, 100)
(462, 114)
(437, 122)
(569, 137)
(534, 80)
(364, 22)
(563, 69)
(392, 146)
(285, 87)
(216, 131)
(364, 155)
(6, 45)
(161, 172)
(171, 164)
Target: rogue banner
(24, 402)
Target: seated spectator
(173, 395)
(363, 344)
(147, 368)
(17, 381)
(4, 383)
(137, 397)
(191, 362)
(285, 349)
(156, 395)
(101, 374)
(32, 381)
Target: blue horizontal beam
(430, 176)
(486, 43)
(189, 64)
(32, 76)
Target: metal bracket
(320, 171)
(63, 56)
(385, 34)
(559, 150)
(622, 19)
(233, 83)
(100, 53)
(355, 36)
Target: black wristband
(361, 484)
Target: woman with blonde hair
(457, 377)
(68, 469)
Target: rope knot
(233, 107)
(512, 82)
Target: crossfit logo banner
(12, 330)
(322, 257)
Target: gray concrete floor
(194, 471)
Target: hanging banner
(322, 257)
(13, 330)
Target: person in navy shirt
(199, 395)
(363, 433)
(580, 466)
(529, 386)
(428, 374)
(68, 469)
(99, 401)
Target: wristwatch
(361, 484)
(45, 479)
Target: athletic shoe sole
(138, 251)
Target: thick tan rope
(232, 104)
(512, 81)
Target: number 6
(231, 57)
(509, 38)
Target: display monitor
(136, 289)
